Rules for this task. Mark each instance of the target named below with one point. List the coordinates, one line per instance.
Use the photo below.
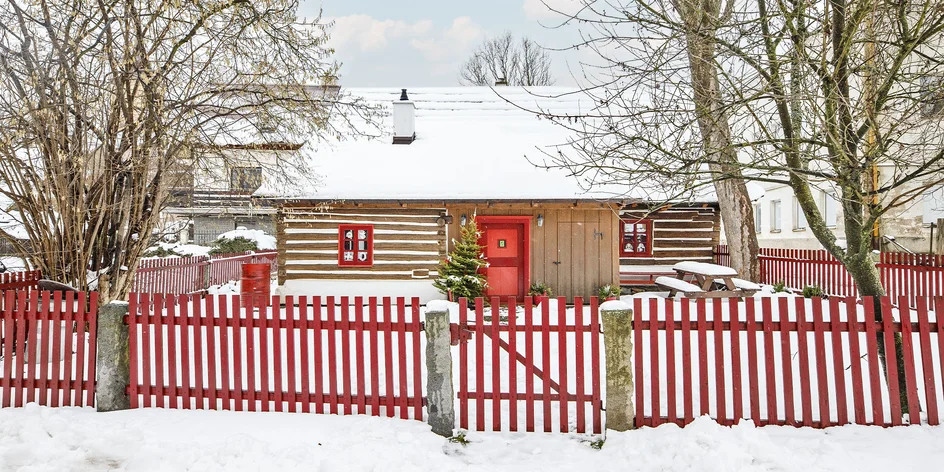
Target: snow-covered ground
(39, 439)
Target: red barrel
(255, 284)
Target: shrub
(230, 246)
(540, 289)
(460, 274)
(608, 291)
(811, 291)
(160, 252)
(780, 287)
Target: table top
(704, 268)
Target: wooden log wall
(408, 243)
(679, 234)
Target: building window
(932, 96)
(757, 218)
(799, 218)
(245, 179)
(775, 216)
(356, 245)
(933, 204)
(636, 238)
(830, 204)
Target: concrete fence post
(440, 396)
(618, 347)
(112, 370)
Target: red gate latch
(459, 335)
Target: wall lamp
(463, 220)
(540, 219)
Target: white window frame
(776, 209)
(830, 206)
(799, 218)
(758, 218)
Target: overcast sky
(391, 43)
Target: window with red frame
(636, 238)
(355, 245)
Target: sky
(421, 43)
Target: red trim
(648, 239)
(525, 221)
(355, 252)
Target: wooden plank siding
(408, 242)
(574, 251)
(679, 234)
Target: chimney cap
(403, 97)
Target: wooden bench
(674, 285)
(739, 284)
(708, 276)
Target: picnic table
(708, 280)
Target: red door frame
(525, 221)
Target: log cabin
(386, 210)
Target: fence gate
(323, 355)
(531, 368)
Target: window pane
(799, 218)
(634, 238)
(775, 215)
(757, 218)
(933, 205)
(830, 204)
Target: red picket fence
(194, 274)
(20, 280)
(49, 348)
(911, 275)
(352, 355)
(541, 372)
(785, 361)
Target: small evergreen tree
(459, 273)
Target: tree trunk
(868, 280)
(737, 214)
(737, 211)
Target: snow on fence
(194, 274)
(912, 275)
(787, 360)
(48, 348)
(352, 355)
(537, 373)
(20, 280)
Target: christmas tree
(459, 274)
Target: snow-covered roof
(471, 144)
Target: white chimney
(404, 120)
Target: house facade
(386, 209)
(780, 223)
(219, 198)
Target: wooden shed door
(505, 250)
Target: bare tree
(103, 104)
(827, 97)
(503, 59)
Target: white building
(780, 223)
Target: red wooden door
(505, 250)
